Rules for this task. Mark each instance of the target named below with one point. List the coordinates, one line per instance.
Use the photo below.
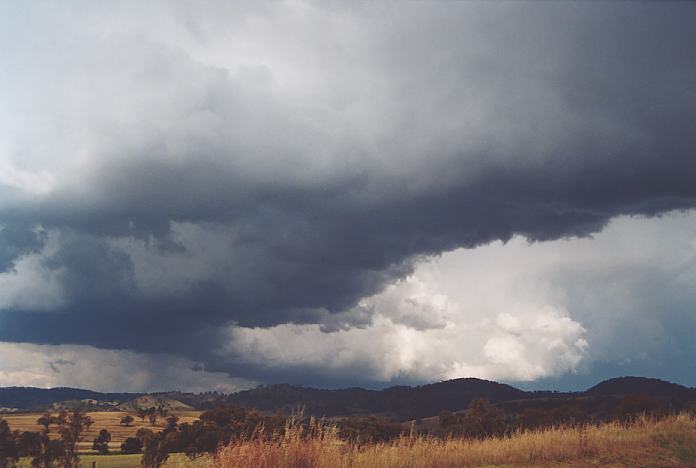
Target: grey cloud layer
(193, 168)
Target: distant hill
(403, 403)
(408, 403)
(399, 402)
(640, 385)
(148, 401)
(29, 398)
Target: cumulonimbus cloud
(199, 168)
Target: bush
(131, 445)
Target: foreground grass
(667, 442)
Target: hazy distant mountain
(29, 398)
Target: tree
(162, 411)
(450, 423)
(142, 413)
(126, 420)
(152, 415)
(131, 445)
(172, 424)
(72, 424)
(691, 408)
(9, 453)
(101, 442)
(219, 425)
(157, 448)
(635, 405)
(43, 450)
(364, 429)
(533, 418)
(27, 444)
(38, 445)
(142, 434)
(199, 438)
(482, 419)
(46, 420)
(551, 414)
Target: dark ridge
(400, 402)
(640, 385)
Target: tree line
(44, 451)
(482, 419)
(214, 428)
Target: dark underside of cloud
(609, 89)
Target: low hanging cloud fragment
(48, 366)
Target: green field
(176, 460)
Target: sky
(215, 195)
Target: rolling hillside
(148, 401)
(402, 402)
(31, 398)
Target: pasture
(109, 420)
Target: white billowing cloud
(48, 366)
(632, 287)
(424, 337)
(515, 311)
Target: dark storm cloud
(17, 239)
(455, 125)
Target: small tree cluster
(365, 429)
(481, 419)
(152, 413)
(637, 405)
(127, 420)
(101, 442)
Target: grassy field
(669, 442)
(108, 420)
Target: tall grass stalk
(629, 444)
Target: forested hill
(407, 403)
(402, 402)
(640, 385)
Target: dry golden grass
(108, 420)
(645, 442)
